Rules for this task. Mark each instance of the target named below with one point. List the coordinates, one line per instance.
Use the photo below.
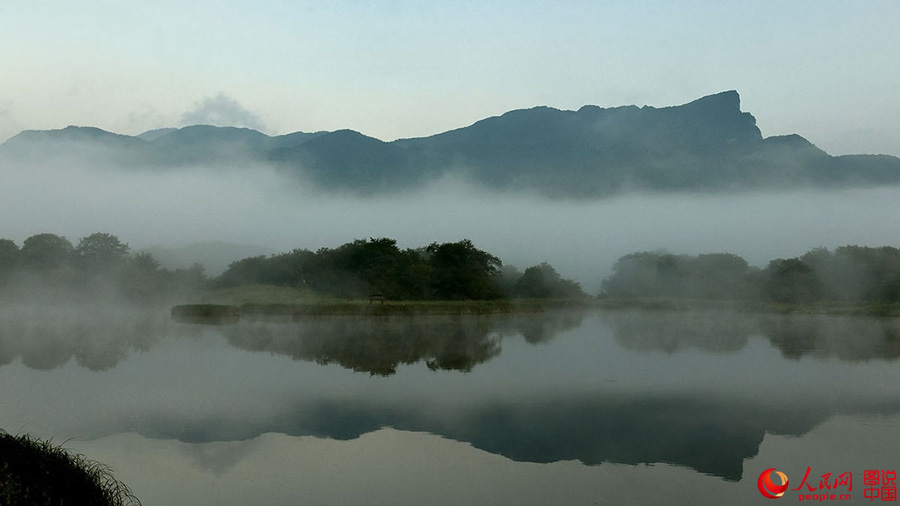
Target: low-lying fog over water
(266, 212)
(572, 407)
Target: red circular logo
(767, 486)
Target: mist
(256, 206)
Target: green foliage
(37, 473)
(101, 251)
(650, 274)
(100, 262)
(856, 273)
(9, 258)
(660, 274)
(46, 252)
(450, 271)
(364, 267)
(460, 271)
(543, 282)
(248, 271)
(792, 280)
(145, 263)
(849, 274)
(509, 276)
(722, 276)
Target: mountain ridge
(707, 144)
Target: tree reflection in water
(378, 345)
(99, 336)
(847, 338)
(713, 430)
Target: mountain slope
(74, 143)
(346, 159)
(705, 145)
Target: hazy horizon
(262, 209)
(397, 70)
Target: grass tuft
(35, 472)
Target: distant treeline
(358, 269)
(855, 274)
(99, 261)
(447, 271)
(459, 271)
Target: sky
(825, 69)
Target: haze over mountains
(707, 145)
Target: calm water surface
(621, 407)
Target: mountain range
(705, 145)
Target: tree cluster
(98, 259)
(847, 274)
(855, 274)
(541, 282)
(358, 269)
(445, 271)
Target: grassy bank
(251, 300)
(34, 472)
(223, 314)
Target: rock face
(705, 145)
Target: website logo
(767, 486)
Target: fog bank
(581, 238)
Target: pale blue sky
(825, 69)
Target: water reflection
(378, 345)
(97, 336)
(712, 436)
(672, 331)
(698, 390)
(847, 338)
(401, 468)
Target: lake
(562, 407)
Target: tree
(660, 274)
(461, 271)
(792, 280)
(9, 258)
(543, 282)
(855, 273)
(190, 278)
(142, 279)
(376, 262)
(453, 271)
(101, 251)
(721, 276)
(510, 275)
(645, 274)
(46, 252)
(248, 271)
(145, 263)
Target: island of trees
(459, 271)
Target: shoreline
(219, 313)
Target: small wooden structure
(376, 297)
